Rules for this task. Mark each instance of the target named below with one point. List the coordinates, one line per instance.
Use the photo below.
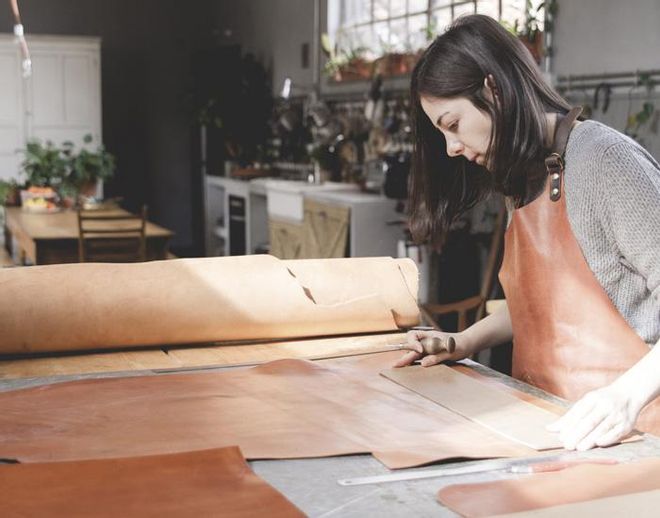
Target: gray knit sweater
(612, 188)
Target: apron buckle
(554, 165)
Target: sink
(284, 198)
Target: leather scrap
(215, 483)
(577, 484)
(639, 505)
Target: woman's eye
(453, 126)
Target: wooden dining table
(52, 238)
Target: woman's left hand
(601, 418)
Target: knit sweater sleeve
(631, 210)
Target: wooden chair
(111, 236)
(474, 305)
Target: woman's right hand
(414, 339)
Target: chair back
(112, 236)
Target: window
(372, 28)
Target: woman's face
(466, 129)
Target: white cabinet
(61, 100)
(376, 225)
(236, 220)
(237, 215)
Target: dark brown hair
(456, 64)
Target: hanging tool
(521, 465)
(19, 34)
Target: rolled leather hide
(100, 306)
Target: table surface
(63, 224)
(311, 484)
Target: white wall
(607, 36)
(596, 36)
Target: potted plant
(43, 165)
(86, 168)
(530, 31)
(9, 193)
(345, 65)
(45, 169)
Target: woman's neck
(550, 126)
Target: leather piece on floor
(282, 409)
(202, 483)
(88, 306)
(495, 409)
(576, 484)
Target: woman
(581, 269)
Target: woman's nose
(454, 148)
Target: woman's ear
(490, 87)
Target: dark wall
(274, 31)
(148, 121)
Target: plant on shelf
(530, 30)
(346, 65)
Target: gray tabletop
(311, 484)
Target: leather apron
(569, 338)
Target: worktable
(311, 484)
(40, 238)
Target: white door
(12, 131)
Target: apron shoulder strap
(554, 163)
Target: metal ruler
(513, 465)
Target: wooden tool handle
(435, 345)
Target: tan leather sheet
(96, 306)
(316, 348)
(190, 357)
(495, 409)
(202, 483)
(637, 505)
(577, 484)
(282, 409)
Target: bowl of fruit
(39, 199)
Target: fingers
(434, 359)
(614, 434)
(599, 419)
(570, 419)
(582, 433)
(591, 439)
(414, 340)
(408, 359)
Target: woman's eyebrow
(439, 121)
